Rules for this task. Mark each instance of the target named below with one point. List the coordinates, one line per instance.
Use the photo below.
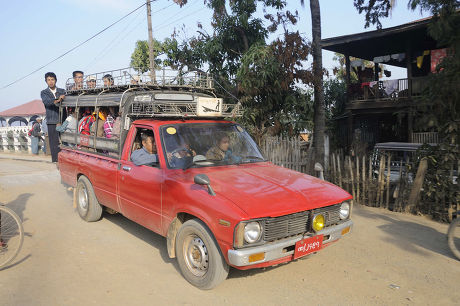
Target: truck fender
(171, 236)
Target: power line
(117, 39)
(161, 26)
(77, 46)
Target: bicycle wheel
(11, 235)
(453, 237)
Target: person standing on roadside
(35, 135)
(51, 97)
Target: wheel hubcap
(196, 255)
(83, 198)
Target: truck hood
(266, 190)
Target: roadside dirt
(388, 259)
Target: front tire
(453, 237)
(199, 256)
(88, 206)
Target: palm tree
(319, 119)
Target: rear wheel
(453, 237)
(199, 257)
(88, 207)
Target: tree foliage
(140, 56)
(268, 77)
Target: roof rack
(120, 79)
(181, 105)
(139, 102)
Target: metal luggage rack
(121, 79)
(178, 109)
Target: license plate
(307, 246)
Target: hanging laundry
(436, 57)
(398, 57)
(372, 84)
(420, 58)
(390, 86)
(378, 59)
(356, 63)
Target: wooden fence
(286, 152)
(384, 181)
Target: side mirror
(203, 179)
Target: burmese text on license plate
(307, 246)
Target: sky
(32, 33)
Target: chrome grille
(298, 223)
(331, 214)
(285, 226)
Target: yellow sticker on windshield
(171, 131)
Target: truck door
(140, 186)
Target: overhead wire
(114, 42)
(72, 49)
(161, 26)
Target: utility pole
(151, 56)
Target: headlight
(344, 210)
(318, 222)
(252, 232)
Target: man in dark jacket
(51, 97)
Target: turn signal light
(345, 231)
(256, 257)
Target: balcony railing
(425, 137)
(387, 90)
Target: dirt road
(389, 259)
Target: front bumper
(283, 248)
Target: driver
(147, 155)
(222, 151)
(181, 154)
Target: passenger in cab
(77, 79)
(147, 155)
(108, 80)
(221, 151)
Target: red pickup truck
(204, 185)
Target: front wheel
(453, 237)
(199, 257)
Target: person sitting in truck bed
(101, 119)
(221, 151)
(147, 154)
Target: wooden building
(382, 111)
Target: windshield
(208, 144)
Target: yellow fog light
(256, 257)
(318, 223)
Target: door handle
(126, 168)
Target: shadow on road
(15, 263)
(144, 234)
(410, 236)
(19, 204)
